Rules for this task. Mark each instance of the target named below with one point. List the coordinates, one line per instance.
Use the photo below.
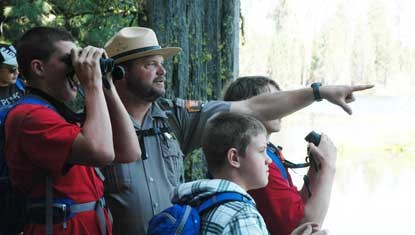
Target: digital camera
(313, 137)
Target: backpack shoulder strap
(274, 153)
(221, 198)
(48, 205)
(33, 100)
(20, 85)
(24, 100)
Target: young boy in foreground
(235, 148)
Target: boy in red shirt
(282, 206)
(49, 141)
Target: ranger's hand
(341, 95)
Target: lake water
(373, 188)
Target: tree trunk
(208, 33)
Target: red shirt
(38, 142)
(279, 203)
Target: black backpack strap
(150, 132)
(59, 107)
(153, 131)
(49, 208)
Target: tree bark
(208, 33)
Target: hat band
(127, 53)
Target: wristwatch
(316, 90)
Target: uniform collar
(156, 111)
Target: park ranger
(169, 129)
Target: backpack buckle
(61, 212)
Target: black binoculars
(106, 65)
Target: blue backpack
(12, 202)
(184, 219)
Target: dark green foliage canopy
(91, 22)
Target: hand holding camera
(322, 151)
(313, 137)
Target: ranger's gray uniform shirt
(137, 191)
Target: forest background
(295, 42)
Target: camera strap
(287, 164)
(277, 151)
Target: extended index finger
(361, 87)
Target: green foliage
(206, 57)
(91, 22)
(195, 167)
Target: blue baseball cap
(8, 55)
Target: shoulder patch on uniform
(193, 106)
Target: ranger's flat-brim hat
(8, 55)
(136, 42)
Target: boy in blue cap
(11, 87)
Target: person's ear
(37, 68)
(233, 158)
